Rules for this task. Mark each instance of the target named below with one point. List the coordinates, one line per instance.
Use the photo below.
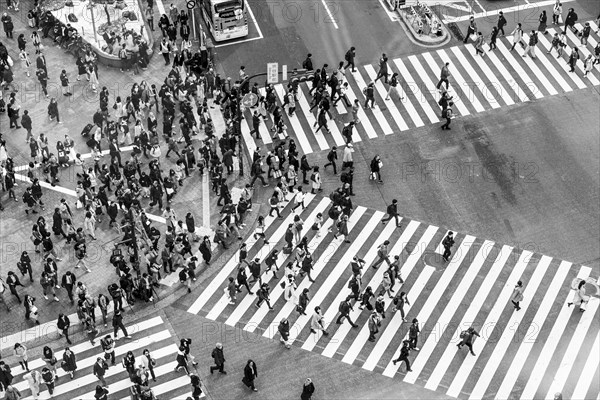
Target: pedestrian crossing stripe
(148, 334)
(473, 289)
(478, 84)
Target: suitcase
(91, 143)
(86, 131)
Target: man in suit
(100, 367)
(40, 63)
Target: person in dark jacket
(205, 250)
(468, 337)
(284, 332)
(64, 324)
(404, 352)
(392, 211)
(344, 309)
(117, 323)
(219, 358)
(100, 368)
(307, 390)
(69, 362)
(250, 374)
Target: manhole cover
(434, 259)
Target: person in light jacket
(12, 393)
(517, 295)
(580, 296)
(34, 378)
(517, 36)
(148, 363)
(20, 351)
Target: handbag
(314, 227)
(282, 284)
(34, 310)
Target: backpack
(347, 56)
(342, 306)
(304, 64)
(390, 209)
(313, 177)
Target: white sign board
(272, 72)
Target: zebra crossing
(474, 289)
(148, 334)
(501, 78)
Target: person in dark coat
(64, 324)
(69, 362)
(307, 389)
(205, 250)
(468, 337)
(250, 374)
(219, 358)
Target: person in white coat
(316, 181)
(517, 36)
(580, 297)
(89, 224)
(290, 288)
(317, 323)
(34, 378)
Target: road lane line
(305, 107)
(335, 25)
(549, 67)
(565, 67)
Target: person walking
(344, 308)
(69, 362)
(374, 324)
(543, 19)
(479, 42)
(530, 48)
(219, 359)
(63, 324)
(49, 378)
(471, 29)
(444, 75)
(399, 301)
(350, 57)
(404, 352)
(342, 228)
(34, 378)
(517, 34)
(117, 323)
(108, 346)
(556, 12)
(468, 338)
(316, 322)
(196, 387)
(20, 351)
(284, 331)
(448, 114)
(394, 87)
(369, 93)
(570, 20)
(263, 296)
(517, 295)
(573, 58)
(501, 23)
(99, 370)
(12, 280)
(331, 159)
(383, 69)
(413, 334)
(580, 298)
(250, 374)
(308, 388)
(392, 212)
(182, 360)
(382, 253)
(448, 242)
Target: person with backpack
(570, 20)
(344, 308)
(468, 337)
(347, 132)
(573, 58)
(399, 301)
(369, 93)
(263, 296)
(392, 211)
(447, 113)
(382, 253)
